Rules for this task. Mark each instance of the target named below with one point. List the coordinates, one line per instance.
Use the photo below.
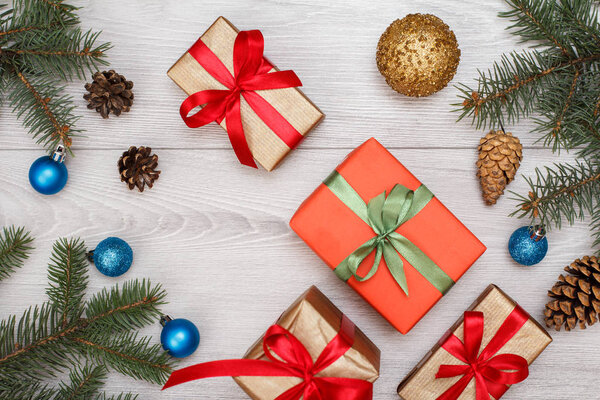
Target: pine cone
(576, 297)
(500, 155)
(137, 167)
(109, 92)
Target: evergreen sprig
(564, 192)
(67, 279)
(58, 335)
(558, 82)
(15, 246)
(42, 45)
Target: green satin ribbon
(384, 215)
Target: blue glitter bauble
(113, 256)
(524, 248)
(48, 176)
(179, 337)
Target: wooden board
(216, 234)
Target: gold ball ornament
(418, 55)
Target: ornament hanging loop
(59, 154)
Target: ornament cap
(537, 232)
(90, 255)
(165, 319)
(59, 154)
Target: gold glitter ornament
(418, 55)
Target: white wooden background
(216, 234)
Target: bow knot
(384, 214)
(252, 72)
(492, 373)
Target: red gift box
(334, 231)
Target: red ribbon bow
(289, 357)
(251, 73)
(489, 371)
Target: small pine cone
(109, 92)
(576, 296)
(137, 167)
(500, 155)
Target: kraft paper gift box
(314, 320)
(334, 231)
(497, 308)
(267, 147)
(342, 362)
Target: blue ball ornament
(528, 245)
(112, 256)
(179, 337)
(48, 174)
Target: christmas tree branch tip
(15, 247)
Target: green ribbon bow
(384, 215)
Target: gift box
(488, 349)
(402, 250)
(312, 348)
(260, 107)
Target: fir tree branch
(66, 52)
(59, 6)
(559, 121)
(21, 30)
(115, 311)
(109, 317)
(48, 115)
(35, 335)
(12, 31)
(128, 355)
(39, 45)
(132, 306)
(67, 276)
(34, 14)
(565, 192)
(84, 383)
(14, 249)
(501, 87)
(25, 389)
(537, 20)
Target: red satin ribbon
(490, 372)
(289, 357)
(251, 73)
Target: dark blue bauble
(48, 176)
(528, 245)
(112, 256)
(179, 337)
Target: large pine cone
(500, 155)
(109, 92)
(137, 167)
(576, 297)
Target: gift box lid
(266, 147)
(529, 342)
(315, 321)
(334, 231)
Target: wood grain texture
(216, 234)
